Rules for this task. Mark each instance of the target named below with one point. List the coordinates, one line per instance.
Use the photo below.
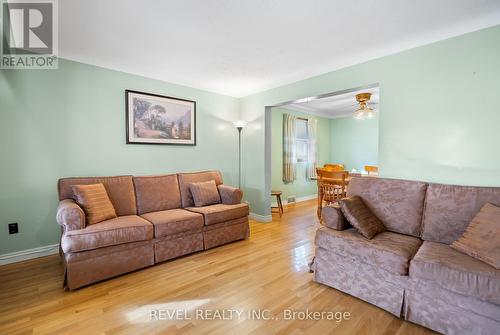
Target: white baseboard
(24, 255)
(298, 199)
(260, 218)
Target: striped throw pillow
(205, 193)
(95, 202)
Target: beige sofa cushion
(456, 271)
(220, 212)
(360, 217)
(95, 202)
(174, 221)
(397, 203)
(389, 251)
(120, 191)
(157, 193)
(195, 177)
(481, 239)
(204, 193)
(123, 229)
(449, 209)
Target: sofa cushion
(389, 251)
(220, 212)
(157, 193)
(332, 217)
(204, 193)
(123, 229)
(397, 203)
(230, 195)
(95, 202)
(481, 238)
(360, 217)
(450, 208)
(195, 177)
(456, 272)
(174, 221)
(120, 191)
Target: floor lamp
(239, 125)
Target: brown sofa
(157, 221)
(411, 270)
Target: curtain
(312, 126)
(289, 157)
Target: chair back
(334, 167)
(332, 176)
(332, 186)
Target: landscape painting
(157, 119)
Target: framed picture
(158, 119)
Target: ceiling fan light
(369, 112)
(359, 114)
(363, 110)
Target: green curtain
(312, 152)
(289, 156)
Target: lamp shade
(239, 124)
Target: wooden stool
(277, 194)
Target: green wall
(354, 143)
(438, 121)
(71, 122)
(301, 186)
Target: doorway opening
(306, 133)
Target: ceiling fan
(363, 111)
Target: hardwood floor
(269, 272)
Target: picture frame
(159, 119)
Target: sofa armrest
(332, 217)
(230, 195)
(70, 216)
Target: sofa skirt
(87, 267)
(450, 313)
(226, 232)
(368, 283)
(177, 245)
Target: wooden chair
(334, 167)
(277, 194)
(372, 170)
(332, 186)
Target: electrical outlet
(13, 228)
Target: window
(301, 140)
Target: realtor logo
(29, 34)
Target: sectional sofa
(410, 270)
(157, 221)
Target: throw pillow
(204, 193)
(95, 202)
(361, 217)
(481, 238)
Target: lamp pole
(239, 155)
(239, 125)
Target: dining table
(348, 179)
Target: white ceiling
(335, 106)
(239, 47)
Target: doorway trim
(267, 135)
